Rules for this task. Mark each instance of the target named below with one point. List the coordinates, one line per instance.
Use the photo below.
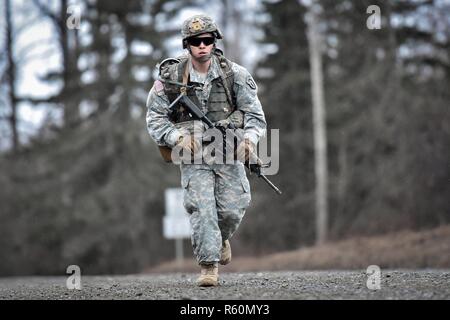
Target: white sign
(176, 221)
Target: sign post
(176, 221)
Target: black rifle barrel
(269, 183)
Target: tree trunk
(11, 72)
(320, 138)
(71, 113)
(231, 28)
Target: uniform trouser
(216, 197)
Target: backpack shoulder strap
(227, 77)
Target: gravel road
(394, 284)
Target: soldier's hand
(236, 119)
(244, 150)
(223, 123)
(188, 143)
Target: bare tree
(69, 57)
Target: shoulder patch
(159, 87)
(251, 83)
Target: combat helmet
(197, 25)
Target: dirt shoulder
(406, 249)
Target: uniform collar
(213, 71)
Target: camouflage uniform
(215, 195)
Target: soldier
(215, 195)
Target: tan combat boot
(209, 275)
(225, 253)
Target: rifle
(198, 113)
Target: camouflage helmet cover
(197, 25)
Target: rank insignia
(196, 25)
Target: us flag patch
(159, 87)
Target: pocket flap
(245, 184)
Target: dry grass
(406, 249)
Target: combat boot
(209, 275)
(225, 253)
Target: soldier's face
(203, 51)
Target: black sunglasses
(197, 41)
